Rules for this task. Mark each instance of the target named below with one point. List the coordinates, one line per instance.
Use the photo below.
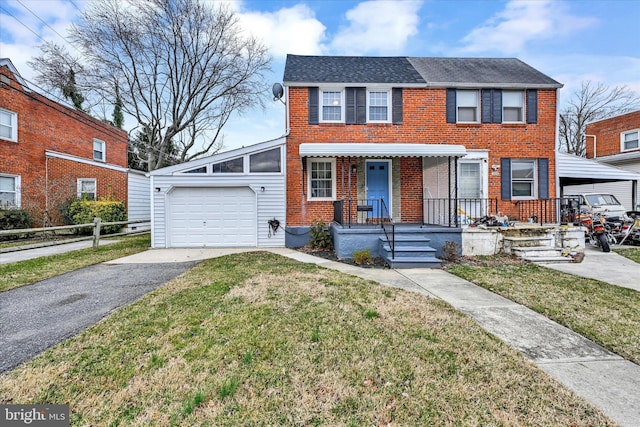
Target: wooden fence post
(96, 232)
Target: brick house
(50, 153)
(428, 143)
(614, 141)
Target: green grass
(632, 253)
(607, 314)
(258, 339)
(30, 271)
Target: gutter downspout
(555, 152)
(595, 144)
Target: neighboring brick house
(418, 140)
(50, 153)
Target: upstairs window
(9, 191)
(87, 188)
(8, 125)
(229, 166)
(331, 103)
(467, 106)
(99, 148)
(378, 107)
(629, 140)
(513, 106)
(322, 184)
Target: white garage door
(212, 217)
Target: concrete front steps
(534, 249)
(412, 250)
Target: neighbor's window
(467, 106)
(523, 176)
(378, 107)
(629, 140)
(321, 173)
(331, 103)
(9, 191)
(99, 150)
(513, 106)
(87, 188)
(266, 161)
(8, 125)
(229, 166)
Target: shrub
(450, 251)
(362, 257)
(14, 219)
(82, 211)
(320, 236)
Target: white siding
(138, 198)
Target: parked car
(600, 203)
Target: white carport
(230, 199)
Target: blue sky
(571, 41)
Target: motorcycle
(597, 232)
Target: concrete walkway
(601, 377)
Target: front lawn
(633, 253)
(259, 339)
(33, 270)
(604, 313)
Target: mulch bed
(377, 262)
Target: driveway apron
(35, 317)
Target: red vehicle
(596, 231)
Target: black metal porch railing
(453, 212)
(389, 228)
(349, 212)
(560, 210)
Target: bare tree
(592, 102)
(182, 68)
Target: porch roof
(381, 150)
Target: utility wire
(45, 23)
(22, 23)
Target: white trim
(16, 189)
(13, 117)
(523, 106)
(389, 163)
(85, 161)
(311, 160)
(321, 92)
(477, 106)
(481, 156)
(103, 151)
(79, 191)
(381, 150)
(534, 179)
(622, 141)
(388, 106)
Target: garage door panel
(212, 217)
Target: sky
(571, 41)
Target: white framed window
(378, 106)
(523, 179)
(321, 179)
(9, 191)
(331, 106)
(512, 106)
(229, 166)
(269, 161)
(87, 188)
(629, 140)
(8, 125)
(467, 106)
(99, 150)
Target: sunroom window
(266, 161)
(229, 166)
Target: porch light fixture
(157, 189)
(354, 169)
(262, 189)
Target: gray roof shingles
(413, 70)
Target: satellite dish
(278, 91)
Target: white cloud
(378, 26)
(289, 30)
(522, 22)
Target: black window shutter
(543, 179)
(486, 106)
(361, 105)
(451, 105)
(313, 106)
(350, 107)
(396, 103)
(496, 106)
(532, 106)
(505, 178)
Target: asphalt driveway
(35, 317)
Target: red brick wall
(424, 122)
(46, 125)
(607, 133)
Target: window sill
(514, 125)
(468, 125)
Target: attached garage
(231, 199)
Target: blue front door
(378, 186)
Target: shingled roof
(413, 71)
